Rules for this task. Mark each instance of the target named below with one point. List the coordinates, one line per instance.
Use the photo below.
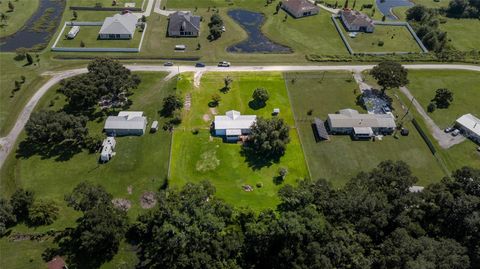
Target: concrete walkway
(7, 143)
(147, 11)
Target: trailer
(73, 32)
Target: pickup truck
(223, 64)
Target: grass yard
(89, 36)
(341, 158)
(197, 157)
(24, 9)
(106, 3)
(394, 38)
(463, 33)
(463, 84)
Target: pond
(386, 6)
(256, 42)
(39, 29)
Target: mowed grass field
(341, 158)
(89, 36)
(197, 157)
(394, 38)
(106, 3)
(23, 10)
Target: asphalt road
(8, 142)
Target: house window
(111, 36)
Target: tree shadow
(61, 152)
(277, 180)
(256, 105)
(257, 161)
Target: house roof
(126, 120)
(119, 24)
(354, 17)
(184, 21)
(350, 118)
(470, 122)
(299, 5)
(234, 120)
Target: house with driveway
(183, 24)
(120, 26)
(470, 126)
(126, 123)
(355, 21)
(233, 125)
(351, 122)
(300, 8)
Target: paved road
(7, 143)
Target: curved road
(8, 142)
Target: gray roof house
(349, 121)
(355, 21)
(119, 27)
(299, 8)
(233, 125)
(126, 123)
(183, 24)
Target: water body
(27, 37)
(256, 42)
(387, 5)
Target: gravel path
(7, 142)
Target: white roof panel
(470, 122)
(119, 24)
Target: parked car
(199, 64)
(455, 132)
(223, 29)
(168, 64)
(478, 149)
(386, 109)
(224, 64)
(448, 129)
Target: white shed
(73, 32)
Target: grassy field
(89, 36)
(341, 158)
(197, 157)
(394, 38)
(463, 84)
(462, 33)
(106, 3)
(24, 9)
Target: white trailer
(73, 32)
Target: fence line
(342, 36)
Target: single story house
(183, 24)
(300, 8)
(126, 123)
(349, 121)
(355, 21)
(120, 26)
(108, 147)
(470, 126)
(233, 125)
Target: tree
(3, 18)
(431, 107)
(86, 196)
(227, 81)
(216, 24)
(29, 58)
(171, 103)
(354, 4)
(216, 98)
(143, 19)
(48, 127)
(7, 216)
(21, 202)
(11, 7)
(82, 44)
(390, 75)
(22, 79)
(278, 7)
(42, 212)
(268, 138)
(18, 85)
(346, 4)
(443, 98)
(417, 13)
(260, 95)
(74, 15)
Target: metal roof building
(233, 124)
(119, 27)
(126, 123)
(470, 126)
(362, 125)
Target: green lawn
(462, 33)
(24, 9)
(463, 84)
(197, 157)
(394, 38)
(341, 158)
(89, 36)
(105, 3)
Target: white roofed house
(126, 123)
(233, 125)
(120, 26)
(470, 126)
(349, 121)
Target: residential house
(126, 123)
(470, 126)
(300, 8)
(183, 24)
(349, 121)
(355, 21)
(120, 26)
(233, 125)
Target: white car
(455, 132)
(448, 129)
(224, 64)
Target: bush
(431, 107)
(42, 212)
(380, 43)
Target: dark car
(168, 64)
(199, 65)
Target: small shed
(154, 127)
(404, 132)
(276, 111)
(320, 131)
